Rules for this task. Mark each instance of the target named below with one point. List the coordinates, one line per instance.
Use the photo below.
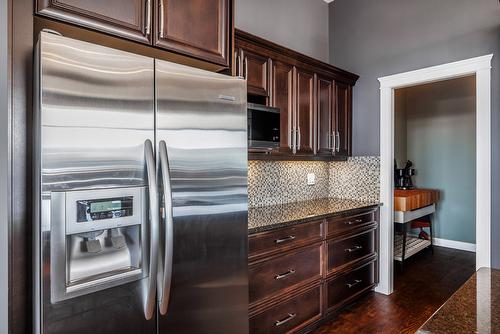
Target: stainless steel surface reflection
(94, 112)
(97, 112)
(202, 118)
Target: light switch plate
(311, 179)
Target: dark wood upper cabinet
(326, 116)
(198, 28)
(304, 115)
(130, 19)
(255, 69)
(282, 98)
(343, 94)
(314, 99)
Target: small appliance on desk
(402, 176)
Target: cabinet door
(256, 71)
(344, 116)
(304, 115)
(282, 98)
(325, 115)
(125, 18)
(198, 28)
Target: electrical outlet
(311, 179)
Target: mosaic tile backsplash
(278, 182)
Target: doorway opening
(434, 179)
(479, 69)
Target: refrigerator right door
(201, 138)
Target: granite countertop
(474, 308)
(270, 217)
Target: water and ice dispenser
(97, 240)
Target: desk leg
(405, 231)
(430, 233)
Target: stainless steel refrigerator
(140, 194)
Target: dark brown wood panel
(130, 19)
(344, 117)
(289, 315)
(338, 226)
(428, 280)
(325, 116)
(282, 98)
(342, 289)
(305, 116)
(199, 28)
(256, 71)
(343, 252)
(284, 272)
(283, 239)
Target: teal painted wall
(440, 140)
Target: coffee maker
(402, 176)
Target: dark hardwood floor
(426, 283)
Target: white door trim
(481, 68)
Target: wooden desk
(410, 205)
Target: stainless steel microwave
(263, 127)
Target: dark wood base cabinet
(302, 275)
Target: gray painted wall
(301, 25)
(4, 140)
(438, 121)
(383, 37)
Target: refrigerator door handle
(154, 219)
(166, 280)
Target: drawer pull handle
(289, 317)
(355, 248)
(350, 222)
(288, 273)
(356, 282)
(289, 238)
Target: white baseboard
(460, 245)
(465, 246)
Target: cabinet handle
(289, 238)
(289, 317)
(148, 17)
(298, 141)
(351, 222)
(356, 282)
(355, 248)
(338, 141)
(288, 273)
(333, 142)
(162, 19)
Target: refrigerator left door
(95, 193)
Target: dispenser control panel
(106, 208)
(93, 210)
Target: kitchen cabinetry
(326, 123)
(282, 98)
(197, 28)
(344, 117)
(302, 274)
(124, 18)
(255, 69)
(314, 99)
(304, 112)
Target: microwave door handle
(166, 280)
(154, 212)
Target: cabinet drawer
(342, 252)
(288, 315)
(341, 289)
(272, 276)
(338, 226)
(267, 243)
